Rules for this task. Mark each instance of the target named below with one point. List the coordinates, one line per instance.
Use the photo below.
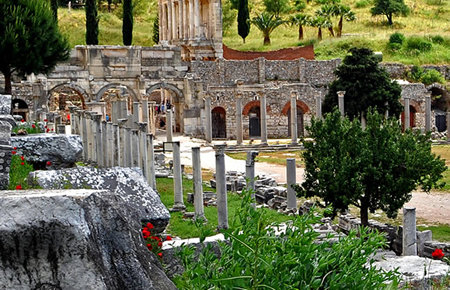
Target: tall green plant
(243, 19)
(255, 256)
(389, 8)
(267, 23)
(155, 35)
(343, 12)
(54, 5)
(91, 22)
(127, 25)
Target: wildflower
(49, 163)
(150, 226)
(13, 152)
(22, 163)
(19, 187)
(160, 255)
(22, 158)
(160, 244)
(22, 120)
(53, 129)
(33, 126)
(149, 246)
(15, 148)
(437, 254)
(168, 238)
(48, 130)
(45, 120)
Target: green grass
(186, 228)
(427, 18)
(440, 232)
(18, 173)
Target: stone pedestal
(177, 179)
(221, 188)
(291, 180)
(198, 187)
(409, 231)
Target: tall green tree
(155, 36)
(277, 7)
(243, 19)
(373, 168)
(127, 25)
(267, 23)
(343, 12)
(30, 41)
(320, 22)
(300, 20)
(327, 11)
(389, 8)
(54, 5)
(366, 84)
(91, 22)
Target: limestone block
(129, 183)
(74, 239)
(5, 162)
(61, 150)
(5, 132)
(5, 104)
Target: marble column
(407, 111)
(239, 130)
(319, 106)
(174, 20)
(84, 135)
(151, 175)
(143, 148)
(115, 111)
(196, 15)
(169, 125)
(291, 180)
(428, 113)
(191, 20)
(115, 145)
(128, 154)
(122, 144)
(110, 143)
(208, 127)
(180, 20)
(294, 131)
(135, 144)
(198, 187)
(145, 114)
(263, 119)
(98, 138)
(409, 232)
(136, 112)
(61, 129)
(221, 188)
(341, 103)
(250, 170)
(73, 122)
(177, 178)
(169, 21)
(123, 109)
(104, 144)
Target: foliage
(326, 11)
(155, 34)
(267, 23)
(320, 22)
(300, 20)
(29, 128)
(432, 76)
(154, 243)
(418, 44)
(397, 37)
(54, 6)
(19, 171)
(277, 7)
(362, 4)
(127, 26)
(228, 15)
(389, 8)
(372, 168)
(366, 85)
(254, 249)
(343, 12)
(243, 19)
(437, 39)
(30, 41)
(91, 22)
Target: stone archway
(253, 111)
(302, 109)
(115, 92)
(219, 121)
(65, 95)
(169, 94)
(20, 107)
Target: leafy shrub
(432, 76)
(418, 44)
(394, 46)
(397, 37)
(415, 73)
(362, 4)
(154, 243)
(254, 250)
(437, 39)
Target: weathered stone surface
(129, 183)
(5, 104)
(416, 271)
(61, 150)
(5, 162)
(74, 239)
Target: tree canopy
(127, 25)
(30, 41)
(243, 19)
(91, 22)
(365, 83)
(372, 168)
(389, 8)
(267, 23)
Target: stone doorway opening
(218, 120)
(412, 117)
(20, 107)
(64, 96)
(254, 120)
(167, 96)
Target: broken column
(208, 127)
(294, 136)
(407, 111)
(135, 145)
(319, 106)
(136, 112)
(143, 147)
(341, 95)
(177, 178)
(409, 231)
(221, 188)
(198, 187)
(239, 134)
(427, 113)
(169, 125)
(291, 180)
(263, 119)
(128, 150)
(98, 138)
(151, 175)
(250, 170)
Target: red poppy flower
(150, 226)
(18, 187)
(45, 126)
(437, 254)
(160, 244)
(22, 158)
(22, 163)
(33, 126)
(149, 246)
(49, 163)
(48, 130)
(15, 148)
(45, 120)
(13, 152)
(168, 238)
(160, 255)
(53, 129)
(22, 120)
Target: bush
(362, 4)
(397, 37)
(432, 76)
(415, 74)
(254, 250)
(394, 46)
(418, 44)
(437, 39)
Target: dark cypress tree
(54, 5)
(127, 25)
(91, 22)
(243, 19)
(155, 36)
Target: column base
(178, 207)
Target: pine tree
(155, 36)
(243, 19)
(127, 24)
(91, 22)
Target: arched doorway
(302, 109)
(114, 93)
(254, 122)
(20, 107)
(64, 96)
(167, 95)
(219, 125)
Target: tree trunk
(339, 32)
(364, 212)
(7, 76)
(319, 34)
(300, 32)
(331, 30)
(266, 40)
(389, 17)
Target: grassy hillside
(428, 18)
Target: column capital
(122, 122)
(294, 94)
(220, 149)
(251, 155)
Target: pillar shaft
(196, 15)
(136, 112)
(115, 145)
(145, 114)
(341, 105)
(263, 120)
(294, 136)
(250, 170)
(208, 133)
(135, 144)
(84, 135)
(221, 188)
(98, 139)
(128, 156)
(427, 113)
(104, 146)
(409, 231)
(291, 180)
(198, 187)
(239, 134)
(177, 178)
(151, 175)
(169, 125)
(143, 148)
(407, 111)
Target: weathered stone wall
(5, 140)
